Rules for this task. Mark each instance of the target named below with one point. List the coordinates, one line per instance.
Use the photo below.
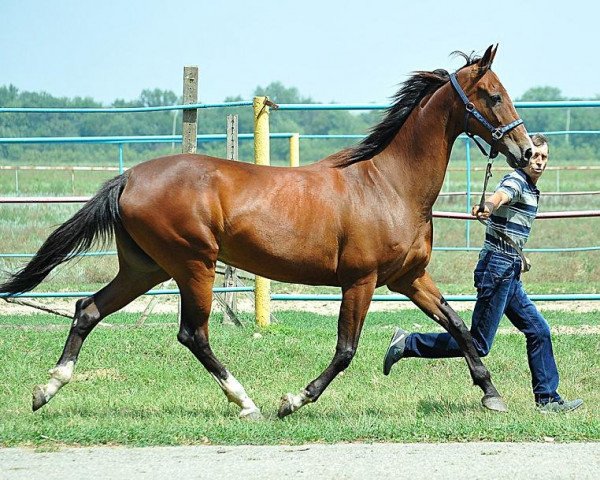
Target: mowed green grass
(138, 386)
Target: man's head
(539, 159)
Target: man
(510, 210)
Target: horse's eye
(496, 99)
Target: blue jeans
(499, 291)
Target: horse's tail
(94, 223)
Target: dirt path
(169, 304)
(469, 461)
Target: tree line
(580, 149)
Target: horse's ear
(485, 62)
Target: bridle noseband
(497, 132)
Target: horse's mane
(412, 91)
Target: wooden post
(189, 130)
(230, 277)
(232, 137)
(188, 145)
(190, 117)
(262, 293)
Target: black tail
(95, 222)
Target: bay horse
(358, 219)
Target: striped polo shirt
(514, 218)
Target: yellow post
(295, 150)
(262, 287)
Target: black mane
(413, 90)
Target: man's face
(537, 162)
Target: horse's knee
(457, 323)
(449, 316)
(195, 341)
(344, 357)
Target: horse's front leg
(353, 310)
(428, 298)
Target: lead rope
(525, 263)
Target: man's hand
(493, 202)
(488, 209)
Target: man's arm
(491, 204)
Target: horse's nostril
(528, 153)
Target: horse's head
(489, 111)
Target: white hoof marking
(297, 401)
(59, 376)
(234, 391)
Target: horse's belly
(310, 266)
(409, 262)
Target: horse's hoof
(286, 407)
(494, 403)
(252, 415)
(39, 398)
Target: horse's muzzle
(521, 161)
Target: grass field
(138, 386)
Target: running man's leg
(544, 374)
(495, 279)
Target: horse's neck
(417, 159)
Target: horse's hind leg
(196, 299)
(428, 298)
(137, 274)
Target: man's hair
(539, 139)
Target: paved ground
(472, 461)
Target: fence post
(232, 137)
(188, 145)
(295, 150)
(229, 280)
(190, 117)
(189, 130)
(262, 303)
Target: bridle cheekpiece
(497, 132)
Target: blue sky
(344, 51)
